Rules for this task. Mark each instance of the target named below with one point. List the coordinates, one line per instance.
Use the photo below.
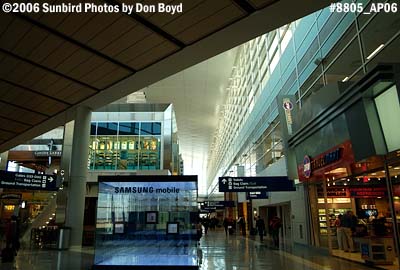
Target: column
(78, 175)
(3, 164)
(3, 161)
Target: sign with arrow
(18, 180)
(249, 184)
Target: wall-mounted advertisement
(146, 222)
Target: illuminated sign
(33, 181)
(261, 183)
(364, 192)
(310, 165)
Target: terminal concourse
(200, 134)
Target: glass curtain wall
(297, 59)
(125, 146)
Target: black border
(151, 212)
(175, 222)
(147, 178)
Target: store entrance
(368, 196)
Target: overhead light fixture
(376, 51)
(345, 79)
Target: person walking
(242, 225)
(260, 225)
(226, 224)
(275, 224)
(206, 224)
(349, 222)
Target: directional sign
(17, 180)
(257, 195)
(248, 184)
(213, 205)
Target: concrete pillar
(3, 161)
(3, 165)
(78, 176)
(65, 172)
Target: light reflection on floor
(217, 252)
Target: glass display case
(147, 221)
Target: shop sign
(11, 198)
(248, 184)
(32, 181)
(334, 192)
(310, 165)
(363, 192)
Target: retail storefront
(344, 147)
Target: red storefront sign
(368, 192)
(313, 168)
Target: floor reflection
(217, 252)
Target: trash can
(63, 238)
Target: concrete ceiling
(197, 94)
(52, 63)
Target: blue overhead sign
(18, 180)
(249, 184)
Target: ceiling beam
(49, 70)
(254, 25)
(35, 92)
(246, 6)
(75, 42)
(24, 108)
(149, 25)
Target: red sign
(336, 157)
(368, 192)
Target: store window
(93, 128)
(150, 129)
(128, 128)
(125, 146)
(107, 128)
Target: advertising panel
(146, 222)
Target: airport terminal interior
(200, 134)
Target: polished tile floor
(218, 252)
